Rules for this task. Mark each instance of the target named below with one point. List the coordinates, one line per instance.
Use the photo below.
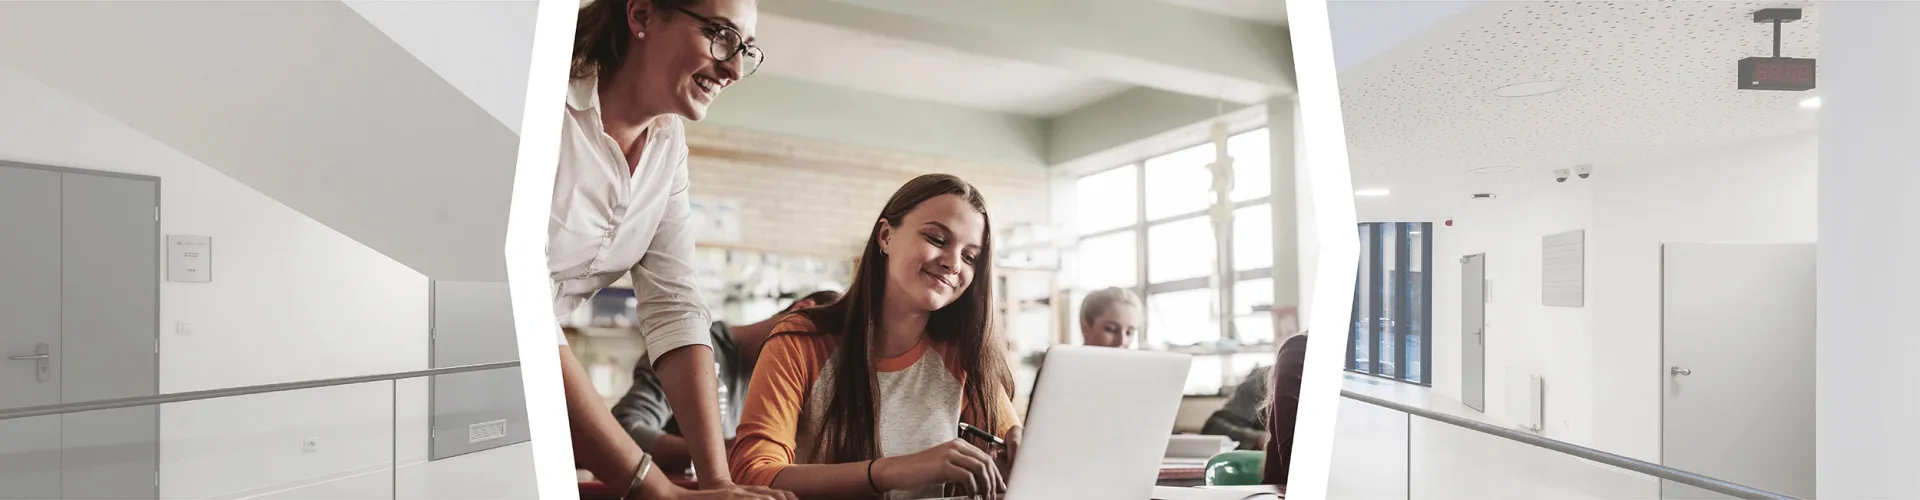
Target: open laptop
(1097, 423)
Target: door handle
(41, 355)
(1677, 371)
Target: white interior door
(1473, 331)
(1738, 340)
(29, 331)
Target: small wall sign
(189, 258)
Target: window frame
(1372, 293)
(1146, 289)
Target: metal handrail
(129, 402)
(1640, 466)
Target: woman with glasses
(620, 208)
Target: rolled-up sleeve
(671, 314)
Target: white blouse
(606, 223)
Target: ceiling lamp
(1530, 89)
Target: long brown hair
(601, 35)
(849, 429)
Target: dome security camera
(1560, 175)
(1584, 171)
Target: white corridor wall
(1867, 397)
(1602, 362)
(291, 300)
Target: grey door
(1473, 331)
(475, 411)
(29, 331)
(79, 275)
(109, 282)
(1737, 338)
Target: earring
(639, 34)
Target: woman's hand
(732, 492)
(954, 461)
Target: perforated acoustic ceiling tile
(1646, 80)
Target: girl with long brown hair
(865, 397)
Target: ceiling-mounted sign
(1776, 73)
(189, 258)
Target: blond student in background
(620, 208)
(1110, 318)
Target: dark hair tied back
(603, 34)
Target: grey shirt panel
(647, 416)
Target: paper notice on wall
(716, 220)
(1563, 277)
(189, 258)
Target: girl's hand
(733, 492)
(955, 461)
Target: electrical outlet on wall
(311, 445)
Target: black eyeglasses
(727, 43)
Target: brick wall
(804, 196)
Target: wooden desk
(1195, 476)
(595, 490)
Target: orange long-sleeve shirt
(919, 391)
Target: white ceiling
(1648, 80)
(481, 48)
(1027, 58)
(1272, 12)
(869, 62)
(1367, 28)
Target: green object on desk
(1236, 468)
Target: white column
(1293, 245)
(1867, 349)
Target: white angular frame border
(526, 249)
(1322, 153)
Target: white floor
(504, 473)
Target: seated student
(1241, 418)
(1244, 418)
(648, 418)
(864, 397)
(1109, 318)
(1283, 407)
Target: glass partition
(1381, 452)
(356, 441)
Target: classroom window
(1162, 231)
(1181, 249)
(1179, 183)
(1252, 165)
(1392, 317)
(1107, 200)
